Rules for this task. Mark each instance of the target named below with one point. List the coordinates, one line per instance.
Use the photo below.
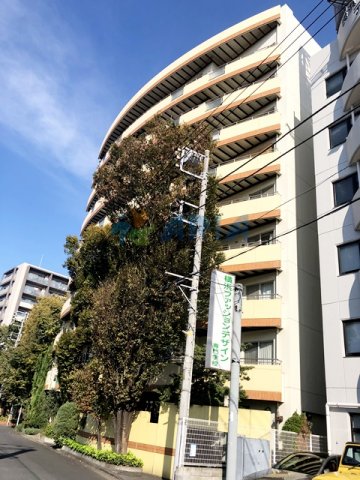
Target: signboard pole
(231, 458)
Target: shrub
(48, 431)
(66, 421)
(31, 431)
(297, 423)
(107, 456)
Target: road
(23, 459)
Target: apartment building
(21, 286)
(335, 74)
(251, 84)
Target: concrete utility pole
(231, 457)
(184, 406)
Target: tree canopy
(18, 364)
(130, 311)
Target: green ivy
(107, 456)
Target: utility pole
(184, 406)
(231, 457)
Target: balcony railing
(38, 278)
(260, 361)
(216, 133)
(247, 199)
(59, 286)
(261, 296)
(245, 244)
(349, 29)
(35, 292)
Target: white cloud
(48, 86)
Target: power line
(279, 67)
(299, 227)
(288, 133)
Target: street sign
(220, 321)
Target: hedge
(107, 456)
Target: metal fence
(284, 443)
(205, 443)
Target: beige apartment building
(251, 84)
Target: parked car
(302, 465)
(349, 467)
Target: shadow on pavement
(15, 453)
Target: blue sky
(66, 69)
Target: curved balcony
(65, 308)
(225, 47)
(250, 93)
(238, 214)
(252, 127)
(91, 198)
(353, 143)
(233, 176)
(199, 85)
(349, 30)
(265, 383)
(351, 81)
(92, 214)
(249, 260)
(261, 312)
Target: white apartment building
(251, 84)
(334, 71)
(21, 286)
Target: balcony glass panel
(34, 291)
(38, 278)
(59, 286)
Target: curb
(114, 470)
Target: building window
(259, 353)
(355, 428)
(260, 290)
(339, 131)
(349, 257)
(334, 82)
(352, 339)
(345, 188)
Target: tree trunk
(98, 424)
(122, 424)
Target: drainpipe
(328, 429)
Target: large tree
(136, 313)
(18, 364)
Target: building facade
(335, 76)
(21, 286)
(251, 84)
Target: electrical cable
(279, 67)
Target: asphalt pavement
(24, 459)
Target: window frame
(355, 431)
(345, 336)
(344, 245)
(342, 71)
(355, 184)
(346, 121)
